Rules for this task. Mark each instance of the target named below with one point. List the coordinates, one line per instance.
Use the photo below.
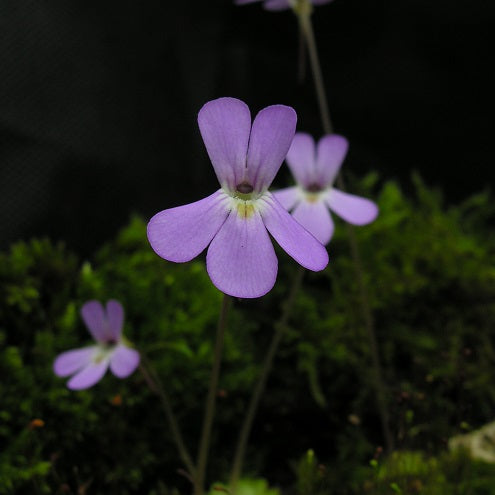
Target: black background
(98, 99)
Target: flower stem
(306, 27)
(204, 445)
(280, 328)
(156, 387)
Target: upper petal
(89, 375)
(301, 159)
(330, 154)
(287, 197)
(94, 317)
(225, 125)
(294, 239)
(115, 318)
(124, 361)
(271, 136)
(179, 234)
(351, 208)
(241, 260)
(69, 362)
(316, 219)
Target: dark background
(98, 99)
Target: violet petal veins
(88, 365)
(315, 168)
(235, 220)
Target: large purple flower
(315, 169)
(234, 220)
(281, 4)
(89, 364)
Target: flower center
(244, 188)
(313, 188)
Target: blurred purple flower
(234, 220)
(315, 169)
(281, 4)
(89, 364)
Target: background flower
(315, 169)
(89, 364)
(236, 219)
(280, 4)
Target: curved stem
(280, 328)
(306, 28)
(156, 387)
(204, 445)
(379, 385)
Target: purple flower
(89, 364)
(281, 4)
(315, 169)
(234, 220)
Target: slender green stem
(306, 28)
(280, 328)
(156, 387)
(379, 385)
(204, 445)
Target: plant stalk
(156, 387)
(306, 27)
(280, 328)
(204, 445)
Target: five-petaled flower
(315, 169)
(234, 220)
(282, 4)
(89, 364)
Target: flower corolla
(282, 4)
(89, 364)
(315, 169)
(235, 220)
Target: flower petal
(330, 153)
(287, 197)
(241, 260)
(351, 208)
(94, 317)
(124, 361)
(89, 375)
(69, 362)
(316, 219)
(294, 239)
(276, 4)
(271, 136)
(301, 159)
(115, 318)
(179, 234)
(225, 125)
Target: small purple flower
(281, 4)
(89, 364)
(234, 220)
(315, 169)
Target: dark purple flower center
(244, 188)
(314, 188)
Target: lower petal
(69, 362)
(352, 209)
(180, 234)
(124, 361)
(89, 375)
(294, 239)
(316, 219)
(287, 197)
(241, 260)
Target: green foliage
(430, 276)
